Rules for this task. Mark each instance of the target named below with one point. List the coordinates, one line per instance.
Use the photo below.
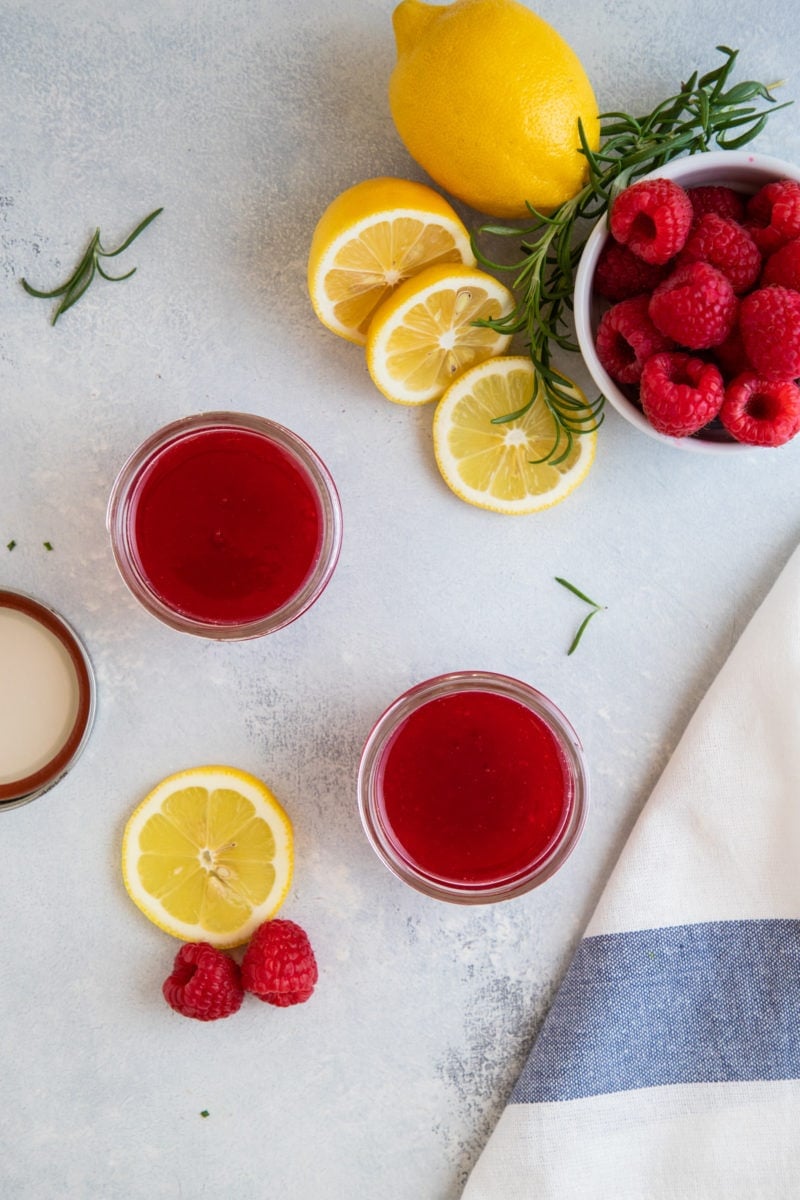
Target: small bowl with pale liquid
(47, 698)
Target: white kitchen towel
(668, 1067)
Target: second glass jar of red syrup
(225, 525)
(473, 787)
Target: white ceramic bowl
(739, 169)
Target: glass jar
(472, 787)
(225, 525)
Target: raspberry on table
(652, 218)
(761, 412)
(727, 246)
(626, 338)
(204, 983)
(723, 201)
(279, 965)
(773, 214)
(769, 321)
(695, 306)
(620, 274)
(782, 269)
(679, 393)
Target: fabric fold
(668, 1067)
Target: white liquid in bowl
(39, 695)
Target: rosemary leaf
(729, 143)
(131, 236)
(79, 285)
(581, 630)
(576, 591)
(32, 291)
(115, 278)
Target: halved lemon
(207, 855)
(369, 239)
(494, 466)
(424, 336)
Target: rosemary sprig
(71, 291)
(705, 111)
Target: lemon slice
(493, 466)
(369, 239)
(207, 856)
(424, 336)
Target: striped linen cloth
(668, 1067)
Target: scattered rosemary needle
(89, 265)
(10, 545)
(705, 111)
(581, 628)
(595, 607)
(47, 545)
(581, 595)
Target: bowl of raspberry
(687, 302)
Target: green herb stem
(70, 292)
(704, 112)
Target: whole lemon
(486, 96)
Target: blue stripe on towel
(687, 1004)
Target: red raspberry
(782, 269)
(769, 320)
(727, 246)
(695, 306)
(204, 983)
(730, 355)
(680, 394)
(626, 338)
(774, 214)
(723, 201)
(652, 217)
(619, 274)
(761, 412)
(279, 964)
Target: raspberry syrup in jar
(472, 787)
(226, 525)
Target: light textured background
(244, 120)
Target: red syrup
(225, 525)
(475, 789)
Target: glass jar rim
(302, 454)
(372, 758)
(21, 791)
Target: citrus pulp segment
(207, 855)
(369, 239)
(424, 336)
(494, 465)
